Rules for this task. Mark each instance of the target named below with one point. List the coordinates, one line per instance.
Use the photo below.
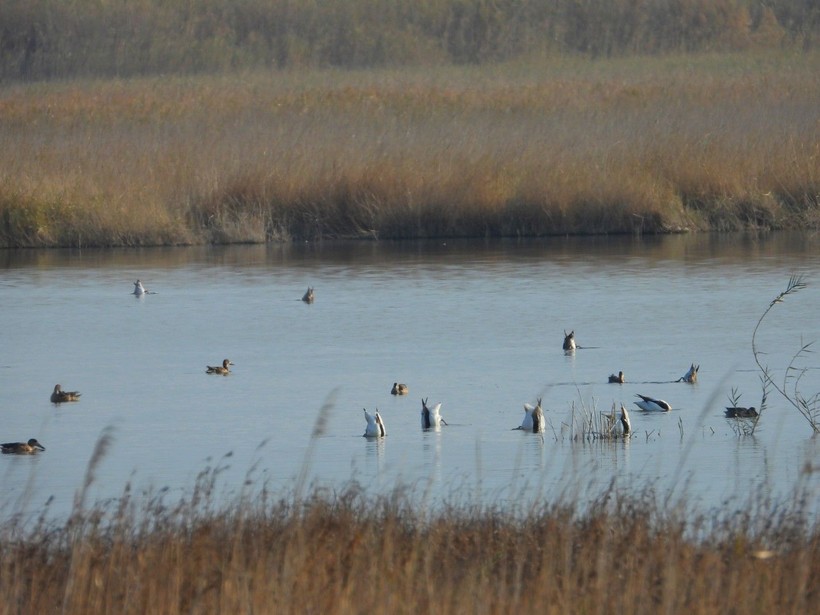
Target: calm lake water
(477, 326)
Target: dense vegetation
(68, 38)
(146, 122)
(564, 146)
(352, 553)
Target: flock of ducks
(646, 403)
(431, 418)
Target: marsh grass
(587, 423)
(346, 551)
(638, 145)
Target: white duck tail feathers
(431, 417)
(538, 422)
(375, 425)
(140, 290)
(650, 404)
(626, 424)
(533, 418)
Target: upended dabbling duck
(533, 418)
(375, 425)
(691, 376)
(649, 404)
(140, 290)
(431, 417)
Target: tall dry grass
(568, 146)
(349, 552)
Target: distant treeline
(43, 39)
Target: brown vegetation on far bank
(561, 146)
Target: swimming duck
(399, 389)
(22, 448)
(375, 425)
(533, 418)
(308, 296)
(219, 369)
(737, 412)
(431, 417)
(652, 405)
(58, 396)
(569, 340)
(691, 376)
(619, 379)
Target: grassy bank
(639, 145)
(348, 552)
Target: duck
(219, 369)
(431, 417)
(737, 412)
(375, 425)
(533, 418)
(22, 448)
(308, 296)
(140, 290)
(619, 379)
(399, 389)
(569, 340)
(650, 404)
(690, 376)
(58, 396)
(626, 425)
(618, 424)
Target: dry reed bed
(349, 552)
(630, 145)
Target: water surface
(477, 326)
